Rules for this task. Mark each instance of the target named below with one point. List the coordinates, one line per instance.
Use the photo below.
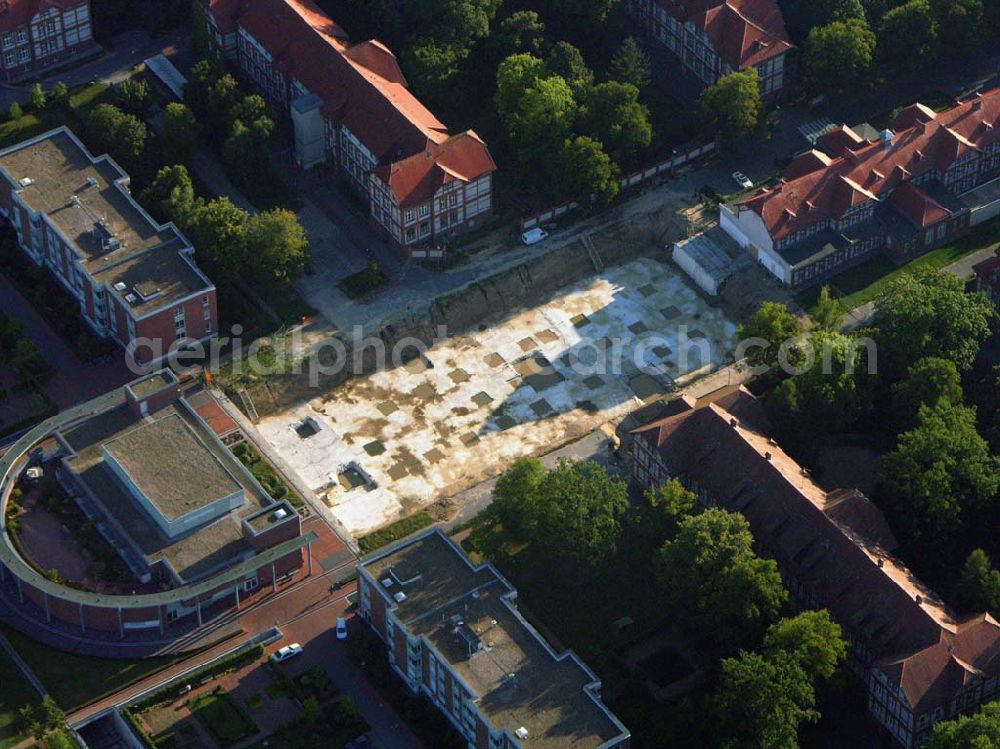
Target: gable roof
(919, 208)
(20, 12)
(743, 32)
(362, 88)
(416, 179)
(932, 143)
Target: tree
(611, 113)
(171, 197)
(245, 151)
(929, 314)
(940, 477)
(587, 174)
(664, 508)
(979, 584)
(580, 11)
(960, 24)
(223, 96)
(828, 313)
(979, 731)
(522, 31)
(579, 511)
(631, 64)
(839, 55)
(761, 702)
(813, 640)
(514, 76)
(456, 21)
(219, 235)
(770, 327)
(833, 394)
(434, 66)
(710, 569)
(566, 61)
(515, 495)
(247, 109)
(15, 112)
(102, 127)
(38, 97)
(131, 96)
(311, 711)
(545, 114)
(277, 245)
(59, 95)
(908, 37)
(180, 133)
(802, 17)
(732, 107)
(927, 381)
(130, 141)
(198, 89)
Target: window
(425, 211)
(11, 59)
(410, 216)
(24, 55)
(453, 200)
(7, 39)
(411, 234)
(204, 301)
(21, 37)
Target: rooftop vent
(733, 422)
(279, 514)
(475, 595)
(386, 582)
(399, 596)
(881, 563)
(131, 298)
(120, 286)
(767, 456)
(91, 181)
(887, 137)
(918, 598)
(522, 733)
(26, 182)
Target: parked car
(289, 651)
(534, 236)
(742, 180)
(341, 628)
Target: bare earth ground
(481, 400)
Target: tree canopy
(928, 380)
(611, 113)
(813, 639)
(171, 197)
(828, 312)
(771, 326)
(587, 174)
(631, 65)
(979, 731)
(762, 701)
(180, 133)
(929, 314)
(709, 569)
(908, 37)
(733, 107)
(276, 246)
(839, 55)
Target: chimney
(767, 456)
(881, 563)
(919, 599)
(733, 422)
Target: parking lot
(381, 446)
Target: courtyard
(382, 446)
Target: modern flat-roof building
(713, 38)
(923, 183)
(919, 662)
(135, 279)
(350, 106)
(39, 35)
(454, 633)
(185, 516)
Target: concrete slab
(444, 436)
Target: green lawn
(15, 692)
(77, 680)
(35, 123)
(861, 284)
(222, 717)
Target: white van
(534, 236)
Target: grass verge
(15, 692)
(222, 717)
(77, 680)
(863, 283)
(394, 532)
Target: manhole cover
(374, 448)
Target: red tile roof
(743, 32)
(932, 143)
(225, 13)
(362, 88)
(835, 141)
(19, 12)
(836, 544)
(919, 207)
(807, 163)
(416, 179)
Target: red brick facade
(39, 35)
